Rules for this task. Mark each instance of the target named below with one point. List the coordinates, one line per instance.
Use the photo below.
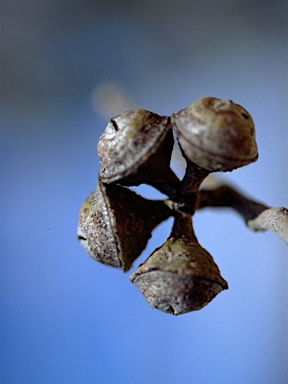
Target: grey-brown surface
(136, 148)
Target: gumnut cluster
(115, 223)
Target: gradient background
(66, 318)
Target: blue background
(66, 318)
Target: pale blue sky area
(68, 319)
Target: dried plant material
(136, 148)
(272, 219)
(212, 182)
(257, 216)
(226, 196)
(217, 135)
(115, 224)
(180, 276)
(175, 292)
(193, 177)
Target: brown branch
(226, 196)
(257, 216)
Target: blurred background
(67, 67)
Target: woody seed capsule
(136, 148)
(216, 134)
(180, 276)
(115, 224)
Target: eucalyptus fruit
(180, 276)
(136, 148)
(217, 135)
(115, 224)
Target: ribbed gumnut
(136, 148)
(216, 134)
(180, 276)
(115, 224)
